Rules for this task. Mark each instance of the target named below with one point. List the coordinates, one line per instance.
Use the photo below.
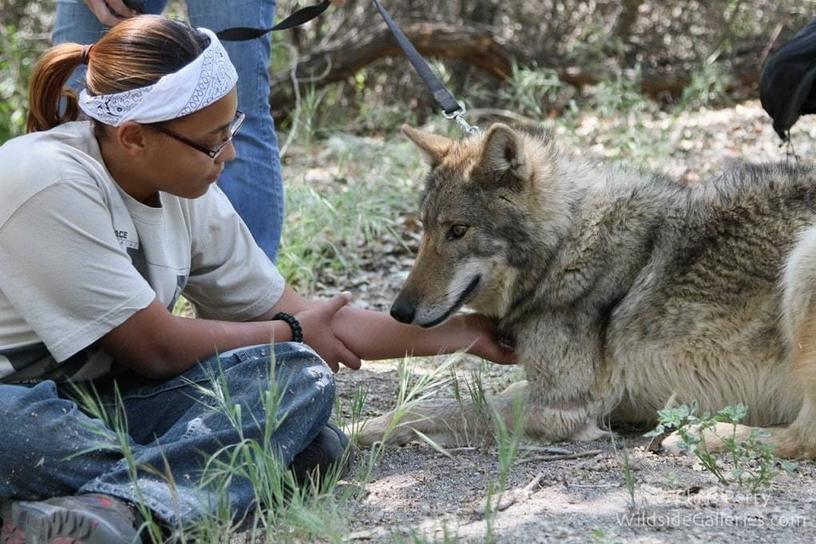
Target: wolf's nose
(403, 311)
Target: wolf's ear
(434, 146)
(503, 159)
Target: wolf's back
(716, 269)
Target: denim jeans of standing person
(253, 181)
(49, 447)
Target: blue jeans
(50, 447)
(253, 180)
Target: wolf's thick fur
(622, 290)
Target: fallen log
(475, 46)
(479, 47)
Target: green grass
(336, 226)
(629, 478)
(317, 511)
(508, 438)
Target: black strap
(440, 93)
(301, 16)
(437, 89)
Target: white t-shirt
(79, 256)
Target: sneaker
(81, 519)
(324, 453)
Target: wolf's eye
(457, 231)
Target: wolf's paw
(673, 444)
(590, 432)
(795, 442)
(711, 439)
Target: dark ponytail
(47, 87)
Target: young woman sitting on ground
(103, 225)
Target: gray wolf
(622, 290)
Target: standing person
(103, 224)
(253, 181)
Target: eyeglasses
(234, 127)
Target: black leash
(300, 17)
(451, 109)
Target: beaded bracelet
(294, 324)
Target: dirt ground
(418, 493)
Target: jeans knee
(303, 369)
(297, 369)
(322, 379)
(17, 400)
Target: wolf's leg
(457, 422)
(799, 438)
(448, 422)
(712, 437)
(799, 318)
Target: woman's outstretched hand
(315, 320)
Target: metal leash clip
(459, 117)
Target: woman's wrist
(281, 332)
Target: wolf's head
(485, 209)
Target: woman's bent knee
(294, 367)
(301, 369)
(17, 400)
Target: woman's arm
(157, 344)
(375, 335)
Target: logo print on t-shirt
(125, 239)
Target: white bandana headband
(195, 86)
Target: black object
(294, 324)
(440, 93)
(301, 16)
(135, 5)
(443, 97)
(786, 86)
(240, 33)
(323, 454)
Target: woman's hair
(135, 53)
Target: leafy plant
(601, 536)
(19, 55)
(530, 89)
(752, 460)
(707, 86)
